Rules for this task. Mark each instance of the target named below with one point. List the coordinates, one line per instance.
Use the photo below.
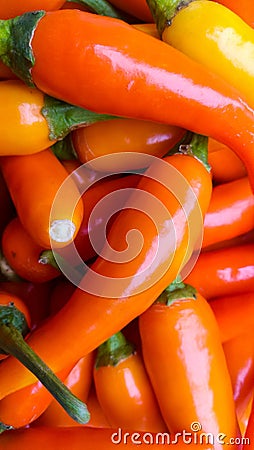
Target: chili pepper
(78, 381)
(246, 238)
(239, 353)
(99, 311)
(249, 431)
(89, 438)
(31, 121)
(23, 407)
(225, 164)
(234, 314)
(217, 38)
(149, 28)
(15, 322)
(243, 9)
(137, 8)
(186, 364)
(222, 272)
(12, 8)
(36, 296)
(97, 416)
(6, 205)
(145, 71)
(230, 213)
(118, 364)
(243, 420)
(33, 182)
(124, 135)
(22, 254)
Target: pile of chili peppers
(126, 323)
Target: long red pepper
(104, 306)
(122, 71)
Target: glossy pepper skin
(227, 41)
(224, 272)
(13, 8)
(184, 359)
(31, 121)
(88, 438)
(23, 254)
(146, 71)
(230, 213)
(33, 182)
(124, 135)
(118, 364)
(94, 318)
(243, 9)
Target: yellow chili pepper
(210, 34)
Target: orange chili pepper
(118, 364)
(31, 121)
(230, 213)
(12, 8)
(88, 438)
(239, 353)
(234, 314)
(248, 437)
(225, 164)
(33, 182)
(22, 254)
(78, 381)
(243, 9)
(97, 314)
(124, 135)
(36, 297)
(145, 70)
(97, 416)
(222, 272)
(186, 364)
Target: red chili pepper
(109, 306)
(230, 213)
(145, 71)
(23, 254)
(118, 364)
(13, 8)
(222, 272)
(186, 364)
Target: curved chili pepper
(117, 364)
(230, 213)
(222, 272)
(14, 325)
(89, 319)
(234, 314)
(185, 362)
(124, 135)
(239, 353)
(243, 9)
(31, 121)
(145, 71)
(36, 296)
(22, 254)
(97, 416)
(78, 381)
(227, 41)
(137, 8)
(89, 438)
(33, 182)
(225, 164)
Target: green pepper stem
(64, 150)
(177, 290)
(12, 342)
(103, 8)
(47, 257)
(113, 351)
(163, 11)
(195, 145)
